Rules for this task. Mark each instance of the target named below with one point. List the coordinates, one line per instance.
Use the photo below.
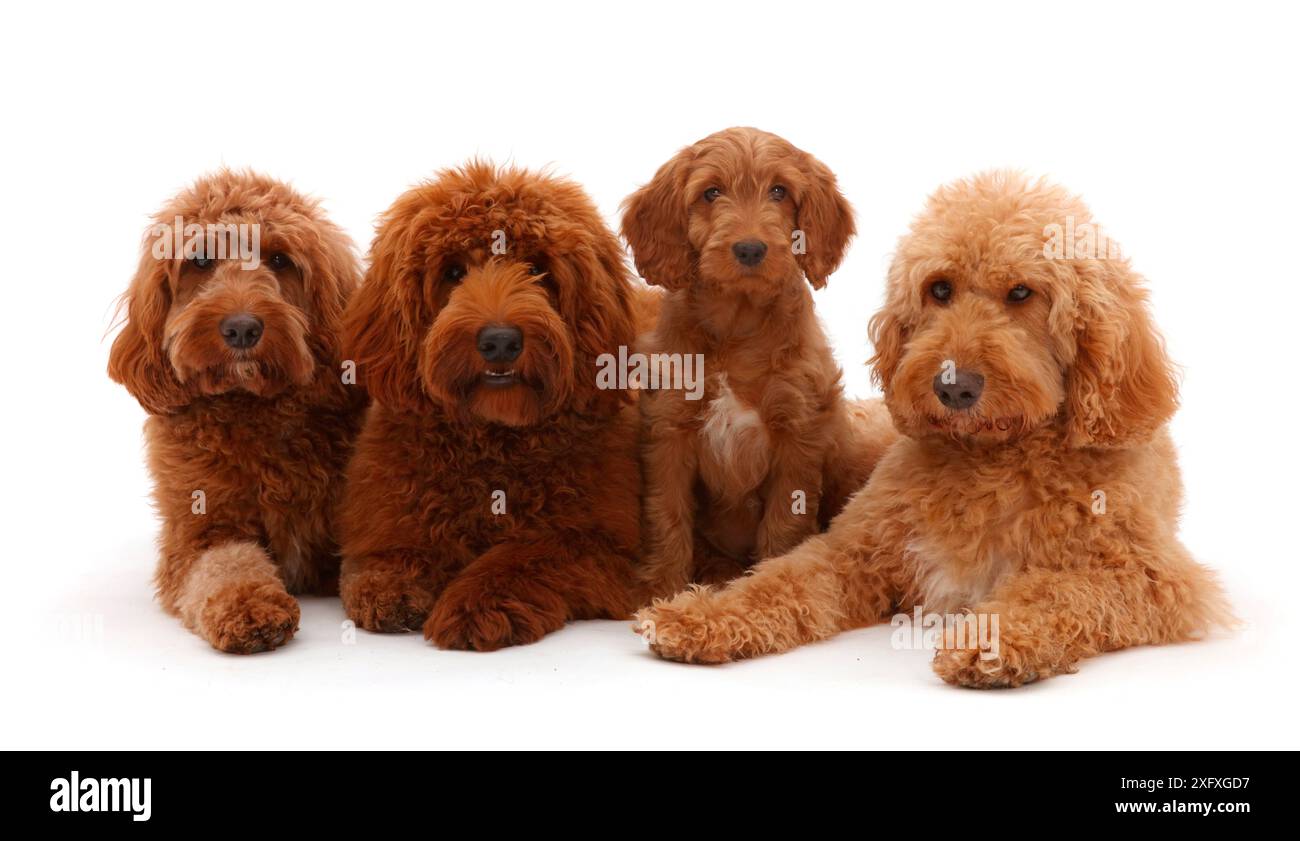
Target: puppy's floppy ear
(385, 320)
(596, 292)
(137, 359)
(654, 225)
(887, 330)
(1122, 386)
(826, 219)
(330, 276)
(601, 296)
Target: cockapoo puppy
(1036, 483)
(739, 228)
(230, 344)
(495, 492)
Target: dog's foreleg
(669, 461)
(793, 495)
(392, 591)
(231, 594)
(1043, 621)
(518, 592)
(831, 582)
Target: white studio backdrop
(1178, 123)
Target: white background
(1177, 123)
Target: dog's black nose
(749, 252)
(500, 344)
(963, 392)
(241, 331)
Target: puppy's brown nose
(241, 330)
(963, 392)
(749, 252)
(500, 344)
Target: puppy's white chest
(946, 582)
(733, 440)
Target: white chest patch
(734, 435)
(945, 584)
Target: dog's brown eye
(777, 193)
(279, 262)
(1019, 293)
(535, 269)
(941, 290)
(453, 273)
(712, 194)
(201, 263)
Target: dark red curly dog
(494, 494)
(235, 358)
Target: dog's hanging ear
(887, 330)
(137, 359)
(654, 225)
(1122, 386)
(602, 292)
(385, 320)
(824, 222)
(331, 273)
(596, 292)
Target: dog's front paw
(683, 629)
(245, 618)
(1005, 667)
(379, 601)
(476, 616)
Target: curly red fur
(426, 543)
(246, 446)
(722, 472)
(992, 508)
